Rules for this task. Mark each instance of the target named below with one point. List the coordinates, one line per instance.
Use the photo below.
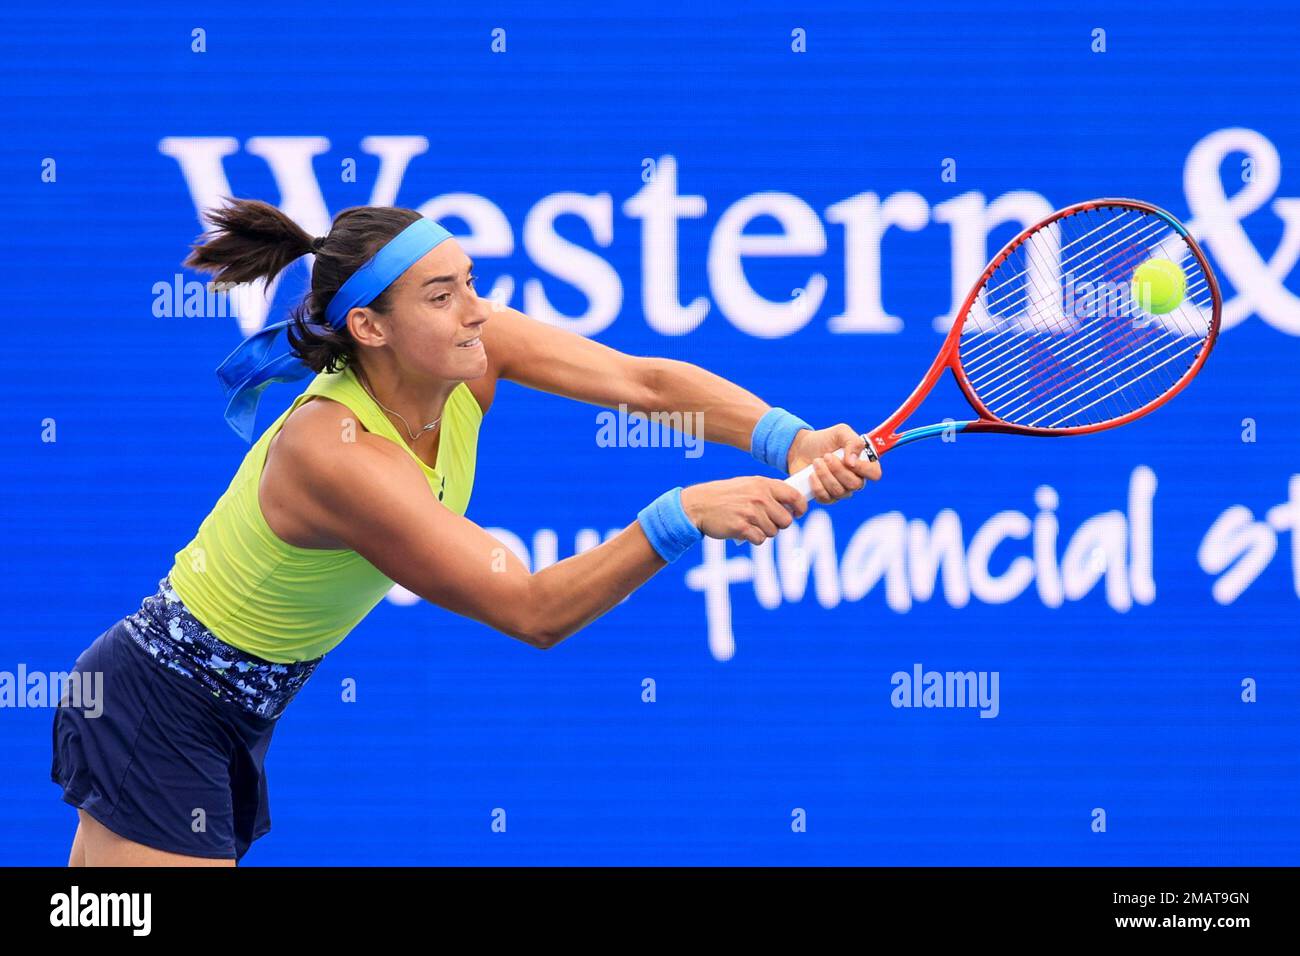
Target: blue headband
(250, 368)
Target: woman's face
(435, 316)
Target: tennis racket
(1067, 331)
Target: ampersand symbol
(1217, 221)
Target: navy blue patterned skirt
(171, 755)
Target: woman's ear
(367, 327)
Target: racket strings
(1116, 336)
(1082, 269)
(1077, 259)
(977, 360)
(1057, 339)
(1052, 378)
(1113, 337)
(1006, 306)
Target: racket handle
(802, 480)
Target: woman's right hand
(743, 509)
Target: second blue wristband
(773, 436)
(667, 527)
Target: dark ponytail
(251, 239)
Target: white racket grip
(801, 480)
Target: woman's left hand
(833, 478)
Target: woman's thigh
(100, 846)
(78, 855)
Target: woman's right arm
(370, 497)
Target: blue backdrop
(1143, 633)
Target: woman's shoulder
(319, 432)
(316, 467)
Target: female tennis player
(361, 483)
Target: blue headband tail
(249, 356)
(261, 369)
(250, 368)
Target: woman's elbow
(537, 631)
(540, 613)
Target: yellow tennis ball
(1158, 286)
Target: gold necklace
(414, 435)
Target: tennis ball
(1158, 286)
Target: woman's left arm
(553, 360)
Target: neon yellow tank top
(284, 603)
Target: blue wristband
(665, 523)
(773, 436)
